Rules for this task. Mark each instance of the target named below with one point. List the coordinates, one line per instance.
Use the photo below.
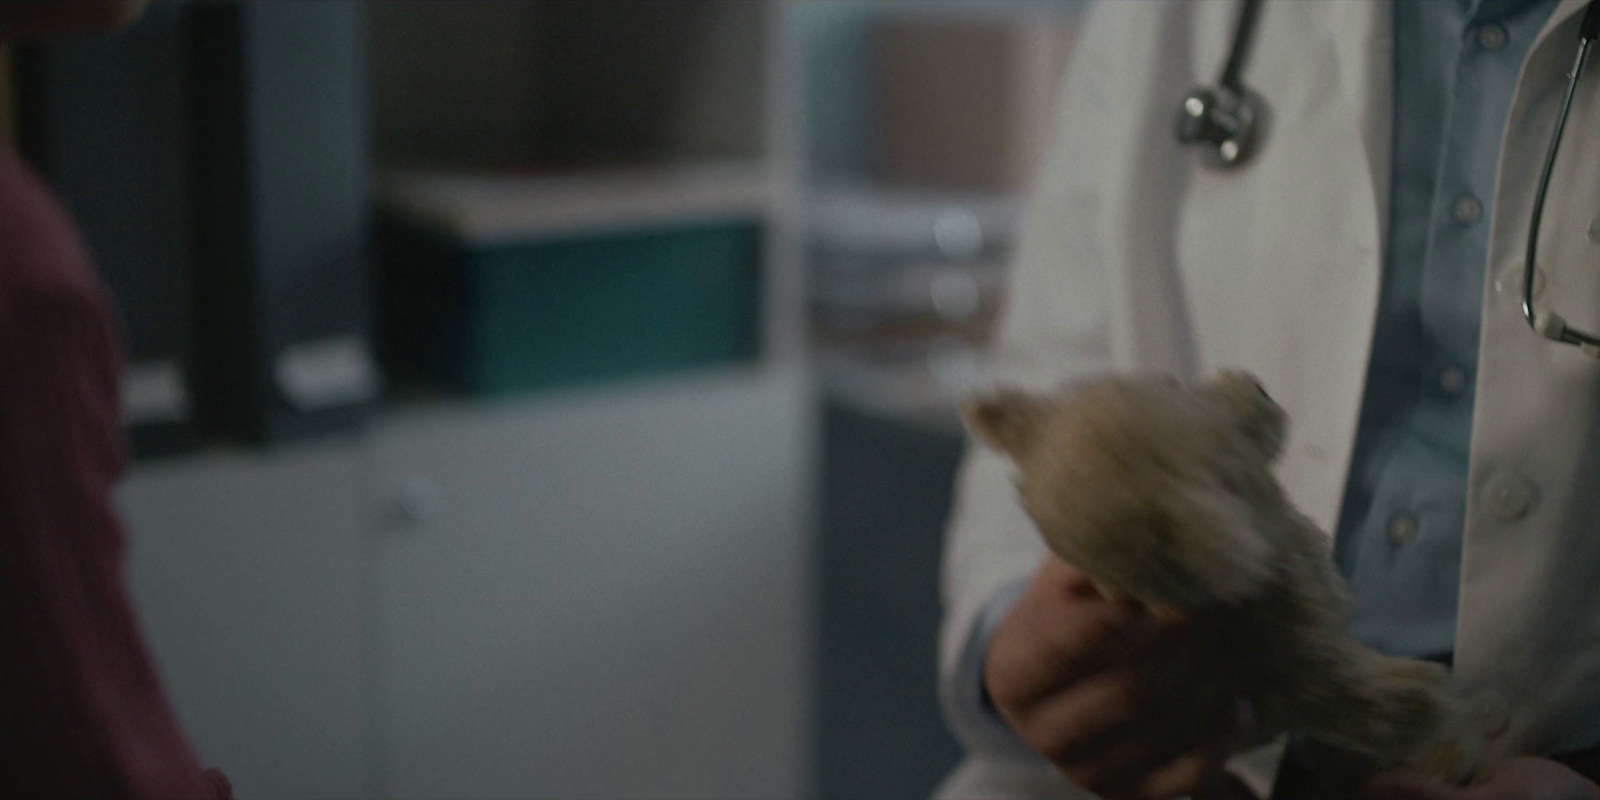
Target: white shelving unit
(586, 592)
(485, 206)
(871, 218)
(250, 575)
(856, 220)
(692, 107)
(902, 276)
(598, 592)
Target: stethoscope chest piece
(1229, 123)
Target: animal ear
(1258, 417)
(1005, 419)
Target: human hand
(1125, 704)
(1520, 778)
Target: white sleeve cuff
(967, 708)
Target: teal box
(512, 316)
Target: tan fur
(1164, 493)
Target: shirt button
(1452, 380)
(1492, 37)
(1467, 209)
(1402, 529)
(1509, 497)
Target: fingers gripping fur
(1165, 493)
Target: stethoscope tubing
(1225, 119)
(1550, 324)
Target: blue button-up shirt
(1400, 531)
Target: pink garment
(82, 712)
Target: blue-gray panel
(886, 490)
(110, 137)
(279, 171)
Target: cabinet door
(886, 485)
(246, 571)
(600, 594)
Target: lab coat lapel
(1564, 11)
(1365, 37)
(1306, 222)
(1527, 640)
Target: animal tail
(1403, 712)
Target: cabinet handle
(414, 503)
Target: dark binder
(278, 166)
(103, 119)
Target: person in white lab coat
(1366, 264)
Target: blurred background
(548, 398)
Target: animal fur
(1164, 493)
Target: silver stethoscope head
(1228, 118)
(1547, 323)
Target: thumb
(1403, 785)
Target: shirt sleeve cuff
(968, 709)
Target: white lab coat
(1134, 257)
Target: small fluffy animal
(1164, 493)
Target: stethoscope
(1229, 120)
